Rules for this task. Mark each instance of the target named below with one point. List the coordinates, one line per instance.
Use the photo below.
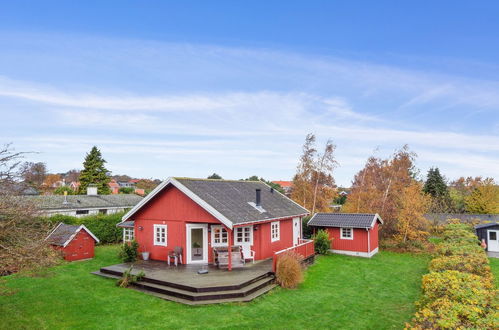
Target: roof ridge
(222, 180)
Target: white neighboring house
(83, 205)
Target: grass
(338, 292)
(494, 265)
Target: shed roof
(57, 202)
(353, 220)
(486, 225)
(63, 234)
(231, 201)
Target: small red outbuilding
(75, 242)
(353, 234)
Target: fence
(305, 248)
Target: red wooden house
(75, 242)
(351, 233)
(198, 215)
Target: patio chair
(176, 255)
(248, 254)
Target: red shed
(354, 234)
(76, 242)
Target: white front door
(493, 240)
(296, 231)
(197, 243)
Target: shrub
(460, 236)
(322, 243)
(289, 271)
(460, 287)
(447, 314)
(451, 249)
(128, 278)
(477, 264)
(129, 252)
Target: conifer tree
(94, 172)
(436, 187)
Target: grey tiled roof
(126, 224)
(354, 220)
(485, 225)
(231, 199)
(56, 202)
(61, 234)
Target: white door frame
(188, 251)
(296, 230)
(496, 242)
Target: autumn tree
(436, 187)
(411, 223)
(33, 174)
(94, 172)
(484, 199)
(313, 183)
(379, 188)
(22, 234)
(462, 188)
(146, 184)
(51, 180)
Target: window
(346, 233)
(81, 212)
(243, 235)
(128, 234)
(103, 211)
(492, 235)
(219, 236)
(275, 231)
(160, 232)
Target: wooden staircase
(190, 295)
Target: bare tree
(33, 174)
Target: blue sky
(188, 88)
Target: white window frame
(346, 237)
(213, 236)
(236, 242)
(128, 234)
(275, 231)
(159, 227)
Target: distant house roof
(284, 184)
(353, 220)
(126, 224)
(230, 201)
(113, 184)
(57, 202)
(486, 225)
(63, 234)
(442, 218)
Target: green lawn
(494, 264)
(338, 292)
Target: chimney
(65, 198)
(92, 190)
(258, 197)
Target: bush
(289, 271)
(307, 231)
(129, 252)
(451, 249)
(128, 278)
(101, 225)
(477, 264)
(322, 243)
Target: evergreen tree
(215, 176)
(94, 172)
(436, 187)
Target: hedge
(101, 225)
(459, 291)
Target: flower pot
(145, 256)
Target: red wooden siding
(357, 244)
(262, 243)
(374, 236)
(81, 247)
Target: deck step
(247, 298)
(247, 293)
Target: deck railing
(305, 248)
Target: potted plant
(145, 255)
(197, 248)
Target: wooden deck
(183, 283)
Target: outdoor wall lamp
(141, 228)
